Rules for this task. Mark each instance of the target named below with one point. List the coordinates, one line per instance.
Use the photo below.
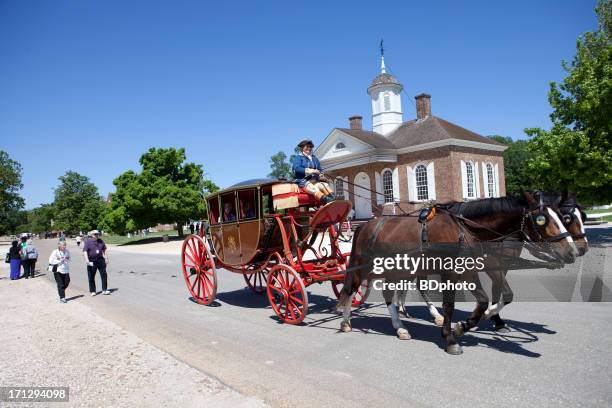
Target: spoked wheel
(257, 281)
(287, 294)
(364, 289)
(199, 270)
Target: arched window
(339, 187)
(340, 146)
(387, 181)
(469, 173)
(421, 182)
(387, 99)
(490, 180)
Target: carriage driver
(309, 175)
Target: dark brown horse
(526, 219)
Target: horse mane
(487, 206)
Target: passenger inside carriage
(229, 213)
(309, 174)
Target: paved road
(558, 354)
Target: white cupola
(385, 92)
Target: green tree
(10, 200)
(577, 152)
(39, 219)
(78, 206)
(280, 167)
(167, 190)
(516, 157)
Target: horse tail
(349, 278)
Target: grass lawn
(121, 239)
(598, 211)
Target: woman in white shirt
(59, 265)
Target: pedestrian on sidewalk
(15, 259)
(59, 265)
(24, 255)
(78, 240)
(96, 259)
(31, 257)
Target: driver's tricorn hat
(305, 142)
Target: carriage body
(263, 229)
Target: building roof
(384, 78)
(372, 138)
(432, 129)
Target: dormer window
(340, 146)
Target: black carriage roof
(249, 183)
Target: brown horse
(526, 219)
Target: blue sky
(90, 85)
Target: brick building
(421, 160)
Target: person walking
(15, 260)
(24, 255)
(31, 257)
(96, 259)
(59, 264)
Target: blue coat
(300, 164)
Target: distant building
(420, 160)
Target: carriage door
(363, 198)
(229, 226)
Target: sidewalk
(46, 343)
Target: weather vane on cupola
(382, 58)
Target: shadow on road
(74, 297)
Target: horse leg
(448, 307)
(433, 311)
(483, 302)
(345, 325)
(401, 331)
(499, 285)
(401, 302)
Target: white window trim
(412, 180)
(393, 182)
(496, 168)
(431, 181)
(380, 199)
(464, 183)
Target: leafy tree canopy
(167, 190)
(577, 152)
(516, 157)
(77, 205)
(280, 167)
(10, 200)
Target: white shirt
(61, 259)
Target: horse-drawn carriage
(281, 239)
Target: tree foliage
(10, 200)
(280, 167)
(516, 157)
(77, 205)
(577, 152)
(167, 190)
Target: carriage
(278, 237)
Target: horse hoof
(405, 313)
(345, 327)
(454, 349)
(459, 329)
(502, 328)
(439, 321)
(403, 334)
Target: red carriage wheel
(287, 294)
(257, 281)
(199, 270)
(363, 292)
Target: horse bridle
(538, 220)
(569, 217)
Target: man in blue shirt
(309, 174)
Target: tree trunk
(179, 228)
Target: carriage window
(266, 201)
(421, 182)
(248, 204)
(469, 172)
(387, 180)
(213, 210)
(228, 208)
(490, 180)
